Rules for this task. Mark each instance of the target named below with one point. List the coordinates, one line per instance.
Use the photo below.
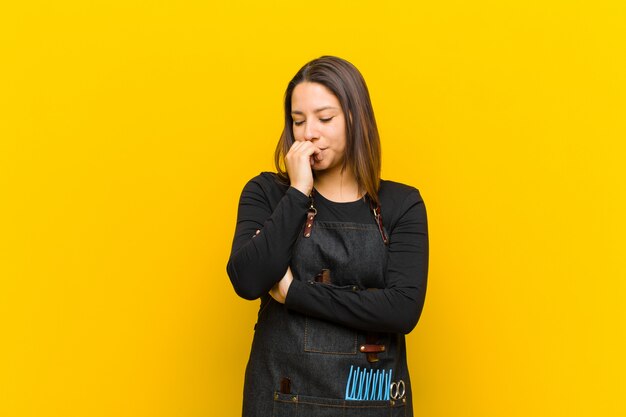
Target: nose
(310, 131)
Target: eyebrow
(315, 111)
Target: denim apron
(300, 365)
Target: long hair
(362, 141)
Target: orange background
(128, 128)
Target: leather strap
(372, 348)
(323, 276)
(310, 218)
(379, 221)
(312, 212)
(285, 385)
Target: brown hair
(362, 141)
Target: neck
(337, 186)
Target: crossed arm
(258, 264)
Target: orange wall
(128, 128)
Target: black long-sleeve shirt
(279, 211)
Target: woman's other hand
(298, 161)
(280, 289)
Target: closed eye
(299, 122)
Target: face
(317, 117)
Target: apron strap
(312, 212)
(379, 221)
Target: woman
(338, 257)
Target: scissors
(397, 390)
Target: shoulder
(395, 193)
(398, 200)
(266, 186)
(268, 181)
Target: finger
(309, 149)
(295, 146)
(318, 155)
(298, 151)
(303, 149)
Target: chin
(319, 166)
(325, 165)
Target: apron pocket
(321, 336)
(292, 405)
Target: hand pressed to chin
(280, 289)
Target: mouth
(315, 158)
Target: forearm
(256, 264)
(394, 310)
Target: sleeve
(256, 264)
(395, 308)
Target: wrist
(284, 290)
(306, 190)
(290, 292)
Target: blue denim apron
(300, 365)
